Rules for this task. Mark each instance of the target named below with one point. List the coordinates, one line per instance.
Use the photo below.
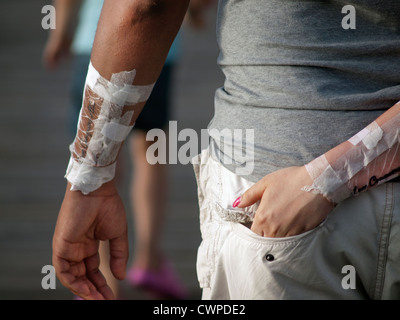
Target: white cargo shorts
(353, 254)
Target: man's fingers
(97, 279)
(89, 284)
(83, 278)
(72, 275)
(252, 195)
(119, 253)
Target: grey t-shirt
(301, 81)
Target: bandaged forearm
(366, 160)
(105, 120)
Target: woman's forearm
(366, 160)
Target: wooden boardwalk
(34, 152)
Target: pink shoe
(164, 282)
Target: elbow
(140, 10)
(148, 8)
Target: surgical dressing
(374, 152)
(104, 123)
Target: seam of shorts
(215, 250)
(278, 242)
(384, 242)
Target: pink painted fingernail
(236, 202)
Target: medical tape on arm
(332, 180)
(103, 125)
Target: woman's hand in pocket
(285, 209)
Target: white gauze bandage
(104, 123)
(373, 158)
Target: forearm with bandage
(366, 160)
(104, 123)
(133, 36)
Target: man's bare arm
(133, 39)
(136, 35)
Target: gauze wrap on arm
(373, 158)
(104, 123)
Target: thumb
(119, 254)
(251, 196)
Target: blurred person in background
(73, 37)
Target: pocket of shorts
(246, 233)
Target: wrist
(325, 181)
(107, 189)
